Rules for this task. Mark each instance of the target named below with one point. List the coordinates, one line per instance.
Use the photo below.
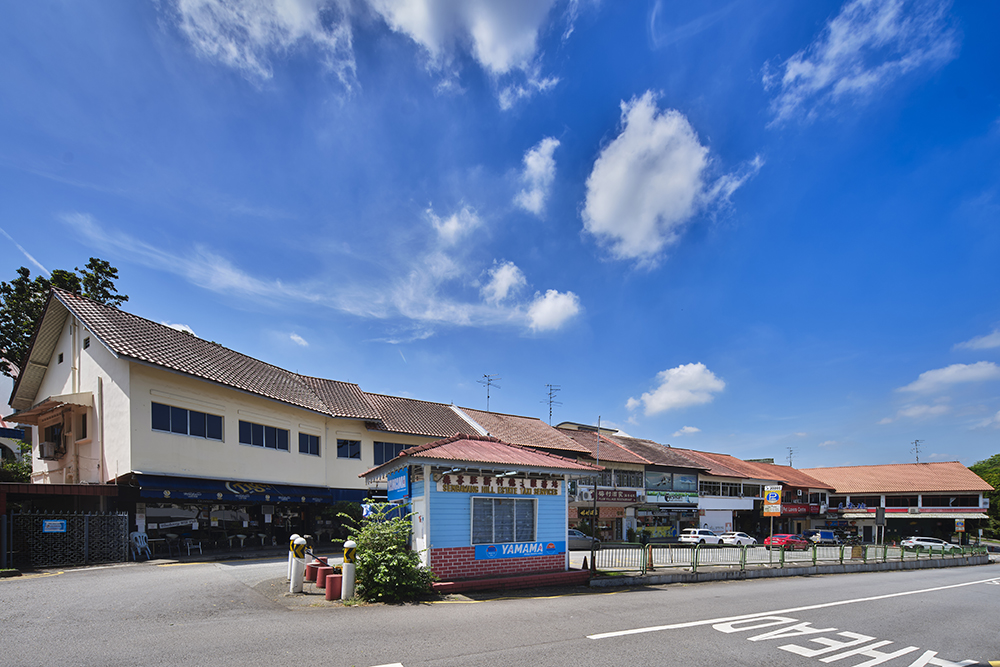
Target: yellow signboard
(959, 525)
(772, 501)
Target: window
(308, 444)
(259, 435)
(500, 520)
(53, 434)
(751, 490)
(685, 482)
(900, 501)
(83, 427)
(348, 449)
(950, 501)
(169, 419)
(731, 490)
(710, 489)
(387, 451)
(86, 342)
(60, 357)
(629, 478)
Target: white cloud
(687, 430)
(505, 279)
(455, 226)
(539, 172)
(993, 421)
(828, 443)
(247, 34)
(690, 384)
(650, 181)
(551, 310)
(868, 45)
(941, 378)
(298, 340)
(985, 342)
(918, 412)
(180, 327)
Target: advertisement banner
(519, 550)
(399, 484)
(671, 497)
(616, 496)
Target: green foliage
(989, 470)
(387, 571)
(22, 301)
(12, 470)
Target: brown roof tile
(939, 477)
(527, 431)
(658, 454)
(408, 415)
(609, 449)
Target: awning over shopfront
(190, 489)
(84, 399)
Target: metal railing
(645, 558)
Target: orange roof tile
(528, 431)
(609, 451)
(939, 477)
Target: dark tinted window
(178, 420)
(197, 423)
(257, 435)
(283, 439)
(161, 417)
(308, 444)
(270, 437)
(245, 433)
(348, 449)
(213, 430)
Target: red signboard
(799, 508)
(616, 496)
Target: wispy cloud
(942, 378)
(538, 174)
(687, 430)
(985, 342)
(993, 422)
(505, 280)
(680, 387)
(863, 49)
(660, 37)
(180, 327)
(298, 340)
(650, 181)
(25, 253)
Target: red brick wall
(461, 563)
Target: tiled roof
(939, 477)
(135, 337)
(482, 449)
(527, 431)
(713, 465)
(658, 454)
(609, 450)
(408, 415)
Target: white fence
(652, 556)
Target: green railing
(646, 558)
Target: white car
(738, 539)
(699, 536)
(927, 543)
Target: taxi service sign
(772, 501)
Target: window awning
(32, 416)
(921, 515)
(185, 489)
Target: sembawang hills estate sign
(515, 486)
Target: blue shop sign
(54, 525)
(399, 484)
(519, 550)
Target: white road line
(711, 621)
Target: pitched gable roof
(411, 416)
(133, 337)
(608, 449)
(528, 431)
(938, 477)
(657, 454)
(481, 449)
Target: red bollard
(311, 570)
(334, 582)
(321, 573)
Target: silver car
(578, 540)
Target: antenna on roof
(489, 381)
(791, 452)
(916, 449)
(551, 400)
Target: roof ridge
(488, 438)
(884, 465)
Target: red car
(789, 542)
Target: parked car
(738, 539)
(927, 543)
(699, 536)
(578, 540)
(787, 541)
(821, 536)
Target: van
(821, 536)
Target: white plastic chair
(191, 544)
(139, 543)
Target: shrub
(387, 570)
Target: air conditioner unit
(48, 451)
(913, 510)
(585, 495)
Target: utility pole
(593, 518)
(551, 400)
(489, 381)
(916, 449)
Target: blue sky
(737, 226)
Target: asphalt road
(237, 614)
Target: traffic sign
(772, 501)
(959, 525)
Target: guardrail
(648, 557)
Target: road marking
(712, 621)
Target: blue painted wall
(451, 517)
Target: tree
(387, 570)
(989, 470)
(13, 470)
(22, 301)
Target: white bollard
(347, 591)
(291, 548)
(298, 565)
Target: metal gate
(56, 539)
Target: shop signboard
(519, 550)
(959, 525)
(671, 497)
(54, 525)
(399, 484)
(514, 486)
(616, 496)
(798, 509)
(772, 500)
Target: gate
(56, 539)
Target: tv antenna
(916, 449)
(489, 381)
(791, 452)
(551, 399)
